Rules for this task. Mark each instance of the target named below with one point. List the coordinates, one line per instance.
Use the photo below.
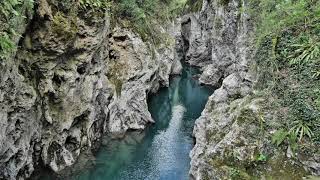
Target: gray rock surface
(218, 40)
(139, 72)
(228, 138)
(72, 80)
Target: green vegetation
(288, 62)
(276, 16)
(9, 11)
(192, 6)
(96, 5)
(282, 136)
(144, 16)
(237, 174)
(65, 26)
(6, 45)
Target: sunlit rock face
(71, 80)
(218, 39)
(135, 71)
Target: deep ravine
(162, 150)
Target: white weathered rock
(219, 40)
(211, 75)
(140, 72)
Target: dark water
(162, 151)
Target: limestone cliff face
(218, 40)
(135, 71)
(71, 80)
(234, 130)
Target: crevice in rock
(72, 143)
(81, 69)
(120, 38)
(185, 35)
(113, 54)
(79, 119)
(57, 80)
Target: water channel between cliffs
(162, 150)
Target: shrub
(9, 11)
(6, 45)
(144, 16)
(288, 60)
(95, 5)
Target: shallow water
(162, 150)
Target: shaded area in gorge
(162, 150)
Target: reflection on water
(162, 151)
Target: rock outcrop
(135, 71)
(217, 39)
(233, 134)
(71, 80)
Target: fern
(305, 52)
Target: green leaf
(279, 136)
(262, 157)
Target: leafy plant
(302, 129)
(288, 61)
(144, 17)
(234, 173)
(305, 52)
(7, 8)
(292, 139)
(6, 45)
(316, 73)
(275, 16)
(9, 11)
(96, 5)
(192, 6)
(281, 135)
(261, 157)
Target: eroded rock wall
(219, 39)
(233, 133)
(72, 80)
(135, 70)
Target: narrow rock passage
(162, 150)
